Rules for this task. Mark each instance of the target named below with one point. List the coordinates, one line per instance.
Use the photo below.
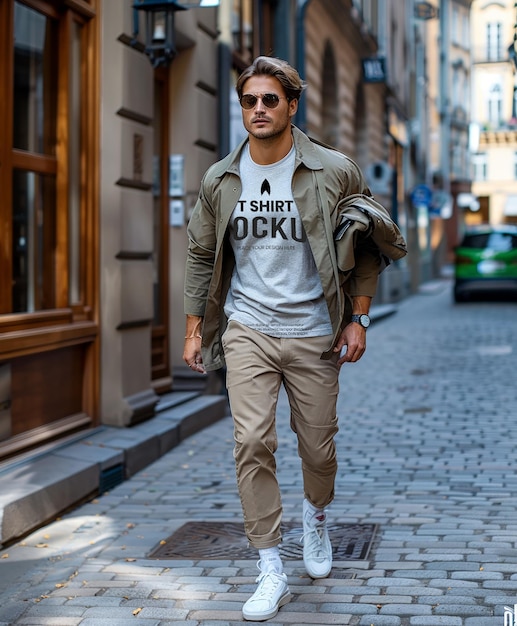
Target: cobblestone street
(427, 448)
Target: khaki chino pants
(256, 367)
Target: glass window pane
(34, 242)
(35, 81)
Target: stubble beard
(268, 133)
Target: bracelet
(194, 337)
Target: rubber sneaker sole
(317, 574)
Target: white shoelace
(313, 541)
(268, 583)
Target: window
(34, 173)
(44, 174)
(242, 29)
(480, 165)
(455, 34)
(49, 284)
(495, 104)
(493, 41)
(515, 165)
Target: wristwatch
(362, 319)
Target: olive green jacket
(322, 178)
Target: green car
(486, 260)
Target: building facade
(449, 62)
(494, 111)
(101, 159)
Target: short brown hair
(286, 75)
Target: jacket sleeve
(363, 279)
(199, 266)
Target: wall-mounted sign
(176, 175)
(421, 196)
(176, 212)
(374, 70)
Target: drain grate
(110, 478)
(223, 540)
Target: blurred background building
(494, 112)
(110, 119)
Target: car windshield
(500, 242)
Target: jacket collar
(306, 153)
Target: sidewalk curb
(36, 490)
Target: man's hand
(192, 347)
(354, 338)
(353, 335)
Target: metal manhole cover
(223, 540)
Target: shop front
(49, 334)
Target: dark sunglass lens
(270, 100)
(248, 101)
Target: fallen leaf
(59, 585)
(5, 556)
(130, 560)
(136, 611)
(130, 525)
(41, 545)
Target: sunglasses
(269, 100)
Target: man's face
(263, 122)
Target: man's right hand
(192, 347)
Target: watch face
(364, 321)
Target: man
(263, 295)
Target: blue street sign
(421, 195)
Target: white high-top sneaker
(272, 593)
(317, 549)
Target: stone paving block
(435, 621)
(101, 621)
(380, 620)
(462, 610)
(50, 621)
(349, 608)
(402, 610)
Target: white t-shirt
(275, 287)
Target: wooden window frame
(11, 159)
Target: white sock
(270, 560)
(312, 510)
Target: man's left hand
(353, 338)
